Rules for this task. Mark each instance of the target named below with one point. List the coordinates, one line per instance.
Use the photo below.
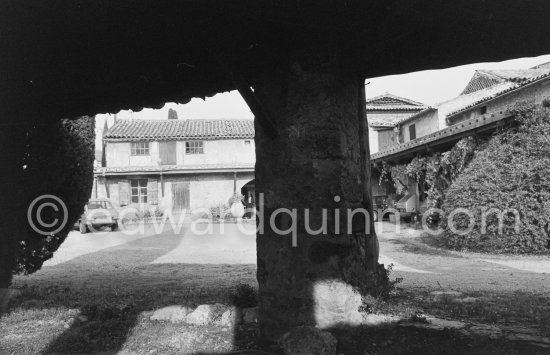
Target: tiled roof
(485, 78)
(442, 137)
(413, 116)
(144, 130)
(390, 102)
(542, 66)
(381, 123)
(513, 87)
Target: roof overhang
(442, 140)
(484, 101)
(137, 171)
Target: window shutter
(124, 192)
(152, 191)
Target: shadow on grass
(112, 288)
(391, 340)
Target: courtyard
(100, 292)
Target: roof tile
(143, 130)
(390, 102)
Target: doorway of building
(180, 196)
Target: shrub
(235, 198)
(58, 161)
(510, 171)
(244, 296)
(220, 212)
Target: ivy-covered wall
(510, 174)
(437, 171)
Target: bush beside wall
(510, 171)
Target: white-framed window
(140, 148)
(139, 190)
(247, 143)
(194, 147)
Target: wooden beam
(260, 111)
(364, 152)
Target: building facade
(481, 109)
(383, 114)
(489, 92)
(181, 165)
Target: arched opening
(306, 93)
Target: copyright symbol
(47, 214)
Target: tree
(172, 114)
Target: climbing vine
(436, 171)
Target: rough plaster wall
(215, 152)
(391, 116)
(315, 158)
(205, 190)
(222, 151)
(424, 125)
(533, 94)
(373, 140)
(212, 190)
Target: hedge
(510, 171)
(58, 161)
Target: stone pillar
(318, 161)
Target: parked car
(98, 213)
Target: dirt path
(422, 266)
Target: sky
(429, 87)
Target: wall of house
(205, 190)
(392, 116)
(373, 141)
(386, 139)
(118, 154)
(456, 103)
(425, 123)
(532, 94)
(380, 139)
(221, 151)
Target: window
(412, 132)
(140, 148)
(247, 143)
(483, 110)
(139, 190)
(195, 147)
